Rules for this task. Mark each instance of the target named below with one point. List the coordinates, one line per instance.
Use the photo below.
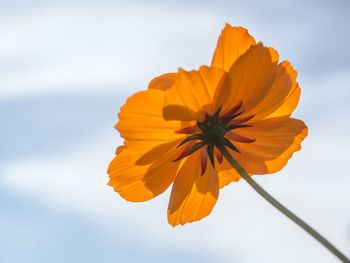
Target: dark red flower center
(213, 131)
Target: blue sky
(66, 67)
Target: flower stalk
(281, 207)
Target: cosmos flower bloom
(243, 101)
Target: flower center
(213, 131)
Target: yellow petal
(193, 195)
(119, 149)
(289, 104)
(226, 173)
(162, 82)
(232, 43)
(249, 80)
(275, 141)
(141, 118)
(174, 107)
(283, 95)
(138, 183)
(193, 91)
(146, 152)
(192, 94)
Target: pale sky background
(66, 67)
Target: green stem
(281, 207)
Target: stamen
(239, 138)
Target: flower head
(242, 101)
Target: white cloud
(89, 46)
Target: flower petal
(138, 183)
(284, 91)
(192, 94)
(288, 105)
(249, 80)
(226, 173)
(162, 82)
(174, 107)
(193, 195)
(141, 118)
(276, 140)
(146, 152)
(232, 43)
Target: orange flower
(243, 101)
